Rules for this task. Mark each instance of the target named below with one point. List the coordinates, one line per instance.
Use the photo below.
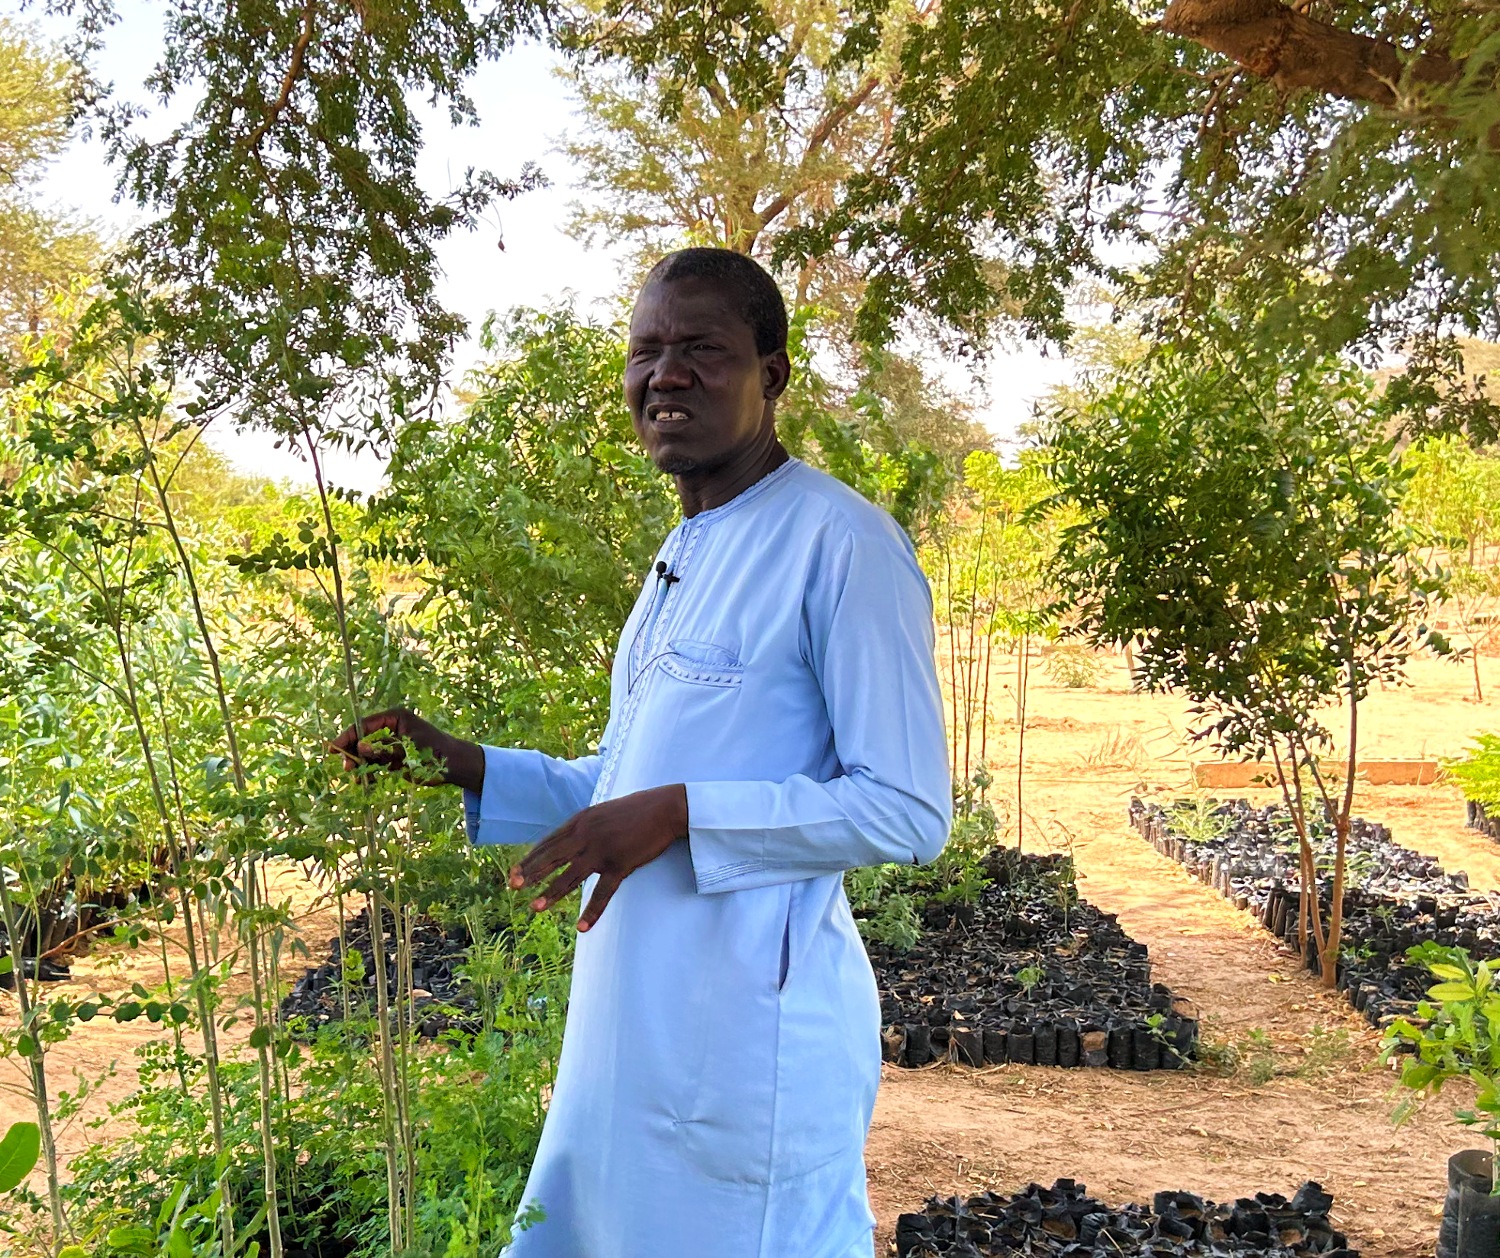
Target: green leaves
(1458, 1039)
(1478, 773)
(291, 264)
(1173, 466)
(1452, 991)
(133, 1238)
(534, 521)
(20, 1148)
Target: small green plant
(1029, 977)
(1073, 666)
(1326, 1050)
(1457, 1038)
(1478, 773)
(1215, 1053)
(1359, 865)
(959, 872)
(1198, 819)
(1156, 1027)
(894, 923)
(484, 971)
(1255, 1054)
(887, 900)
(1258, 1055)
(883, 910)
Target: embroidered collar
(746, 495)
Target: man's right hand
(458, 761)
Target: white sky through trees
(523, 108)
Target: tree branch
(1295, 51)
(289, 81)
(825, 128)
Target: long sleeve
(870, 644)
(527, 794)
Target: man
(774, 721)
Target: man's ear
(775, 374)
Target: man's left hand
(612, 839)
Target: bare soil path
(1309, 1099)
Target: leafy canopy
(1241, 523)
(41, 252)
(1310, 179)
(533, 518)
(290, 250)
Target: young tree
(134, 650)
(286, 277)
(1241, 524)
(1453, 499)
(987, 556)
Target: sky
(524, 108)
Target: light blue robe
(722, 1050)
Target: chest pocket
(701, 663)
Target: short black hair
(743, 280)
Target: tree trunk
(1023, 671)
(1329, 957)
(36, 1062)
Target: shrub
(1478, 773)
(1073, 666)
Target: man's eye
(641, 352)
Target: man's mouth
(667, 415)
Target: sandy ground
(101, 1054)
(1324, 1114)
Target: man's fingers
(550, 852)
(351, 759)
(537, 864)
(344, 743)
(604, 890)
(565, 883)
(352, 746)
(524, 875)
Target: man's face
(699, 393)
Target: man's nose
(670, 371)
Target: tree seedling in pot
(1458, 1037)
(1029, 977)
